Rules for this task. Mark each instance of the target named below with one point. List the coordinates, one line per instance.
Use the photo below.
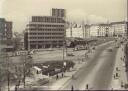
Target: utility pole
(64, 43)
(127, 20)
(63, 50)
(24, 72)
(8, 73)
(70, 26)
(64, 37)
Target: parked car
(70, 54)
(110, 50)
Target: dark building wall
(9, 29)
(26, 40)
(58, 12)
(6, 28)
(2, 27)
(6, 34)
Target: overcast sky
(94, 11)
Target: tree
(5, 69)
(23, 70)
(17, 40)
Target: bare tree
(27, 63)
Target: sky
(90, 11)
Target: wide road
(97, 72)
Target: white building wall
(93, 31)
(76, 32)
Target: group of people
(87, 87)
(57, 76)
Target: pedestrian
(122, 84)
(62, 75)
(18, 84)
(82, 60)
(117, 69)
(72, 76)
(16, 88)
(87, 86)
(57, 76)
(72, 88)
(87, 56)
(112, 89)
(114, 76)
(121, 58)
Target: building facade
(44, 32)
(104, 30)
(5, 34)
(58, 12)
(119, 28)
(5, 29)
(113, 29)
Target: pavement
(119, 69)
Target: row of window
(42, 25)
(46, 33)
(45, 41)
(47, 19)
(45, 37)
(34, 29)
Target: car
(70, 54)
(93, 48)
(109, 50)
(117, 46)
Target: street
(97, 73)
(63, 45)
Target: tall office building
(44, 32)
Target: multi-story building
(45, 32)
(5, 34)
(74, 32)
(113, 29)
(58, 12)
(94, 30)
(119, 28)
(6, 28)
(104, 30)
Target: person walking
(16, 88)
(72, 88)
(57, 76)
(87, 86)
(62, 74)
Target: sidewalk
(119, 78)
